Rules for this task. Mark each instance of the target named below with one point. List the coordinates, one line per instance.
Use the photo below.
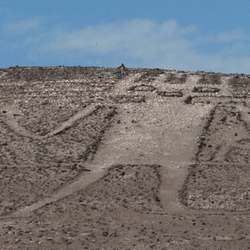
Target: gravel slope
(123, 159)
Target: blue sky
(185, 35)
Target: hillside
(120, 158)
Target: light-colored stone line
(3, 74)
(76, 117)
(82, 182)
(12, 111)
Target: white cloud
(140, 43)
(134, 35)
(153, 44)
(235, 48)
(21, 27)
(227, 37)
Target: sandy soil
(124, 159)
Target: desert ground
(123, 158)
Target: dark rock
(105, 234)
(122, 66)
(188, 100)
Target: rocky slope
(119, 158)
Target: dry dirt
(104, 158)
